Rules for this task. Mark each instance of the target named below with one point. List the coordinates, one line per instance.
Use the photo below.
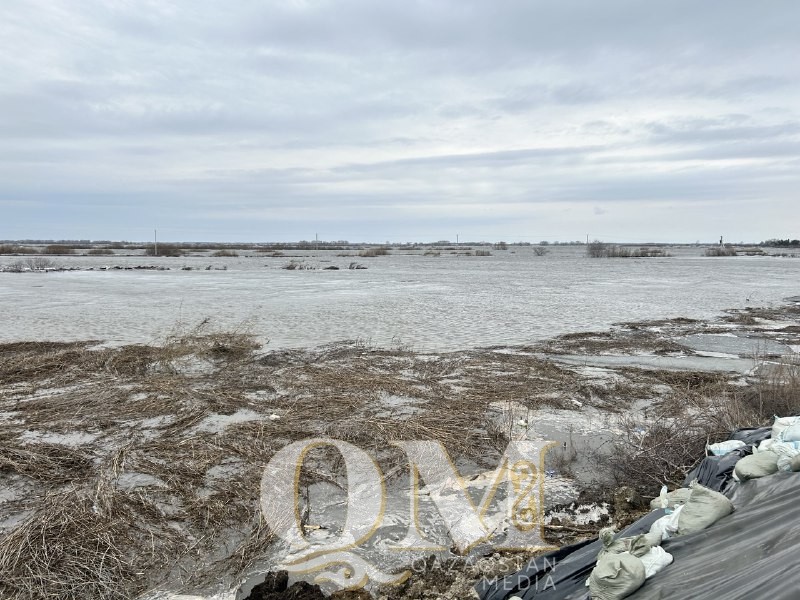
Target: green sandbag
(757, 465)
(674, 498)
(704, 508)
(796, 463)
(616, 576)
(638, 545)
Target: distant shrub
(501, 246)
(540, 251)
(372, 252)
(650, 253)
(163, 250)
(297, 265)
(721, 251)
(598, 249)
(58, 249)
(34, 263)
(225, 253)
(482, 253)
(100, 252)
(15, 249)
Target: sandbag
(781, 424)
(616, 576)
(655, 561)
(757, 465)
(796, 463)
(704, 508)
(786, 451)
(791, 433)
(638, 545)
(674, 498)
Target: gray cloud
(359, 118)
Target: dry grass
(702, 408)
(156, 413)
(720, 251)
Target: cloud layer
(407, 121)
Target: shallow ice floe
(74, 438)
(216, 423)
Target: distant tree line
(781, 243)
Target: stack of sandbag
(703, 508)
(624, 564)
(778, 453)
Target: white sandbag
(791, 433)
(764, 445)
(722, 448)
(616, 576)
(786, 452)
(655, 560)
(757, 465)
(781, 424)
(664, 528)
(673, 499)
(704, 508)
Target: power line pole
(155, 238)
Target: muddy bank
(137, 470)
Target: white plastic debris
(722, 448)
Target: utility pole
(155, 238)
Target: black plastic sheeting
(752, 553)
(561, 574)
(752, 435)
(716, 472)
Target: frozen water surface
(429, 303)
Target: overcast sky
(627, 120)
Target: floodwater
(427, 303)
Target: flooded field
(431, 303)
(139, 407)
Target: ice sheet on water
(446, 304)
